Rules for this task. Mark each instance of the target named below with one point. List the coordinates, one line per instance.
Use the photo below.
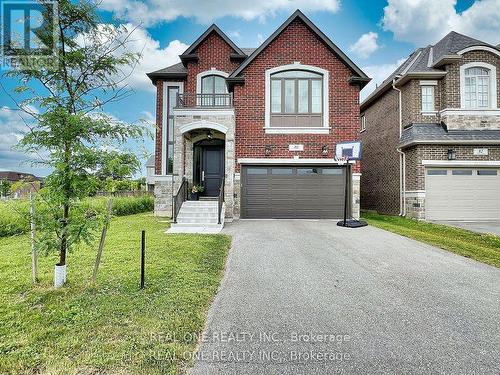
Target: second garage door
(292, 192)
(462, 194)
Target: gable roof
(426, 62)
(299, 15)
(189, 53)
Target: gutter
(402, 156)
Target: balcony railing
(190, 100)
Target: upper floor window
(296, 98)
(427, 98)
(362, 126)
(477, 87)
(213, 84)
(213, 91)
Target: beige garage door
(462, 194)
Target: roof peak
(299, 15)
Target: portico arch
(203, 124)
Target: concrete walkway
(307, 297)
(489, 227)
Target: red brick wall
(296, 43)
(213, 52)
(159, 116)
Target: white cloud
(138, 40)
(426, 21)
(12, 129)
(153, 57)
(365, 45)
(378, 73)
(150, 12)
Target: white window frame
(164, 125)
(363, 124)
(492, 100)
(211, 72)
(433, 84)
(325, 129)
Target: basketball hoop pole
(346, 192)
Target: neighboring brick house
(431, 134)
(265, 121)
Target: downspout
(402, 156)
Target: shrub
(14, 215)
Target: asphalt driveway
(490, 227)
(307, 297)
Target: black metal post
(346, 193)
(143, 251)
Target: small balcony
(204, 101)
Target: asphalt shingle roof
(422, 59)
(421, 133)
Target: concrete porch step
(198, 217)
(194, 220)
(196, 228)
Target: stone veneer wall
(183, 162)
(458, 121)
(356, 195)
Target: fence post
(143, 251)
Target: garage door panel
(291, 193)
(459, 197)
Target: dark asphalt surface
(307, 297)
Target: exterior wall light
(452, 155)
(267, 150)
(324, 150)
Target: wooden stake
(34, 260)
(101, 242)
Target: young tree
(70, 129)
(4, 188)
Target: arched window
(296, 99)
(214, 91)
(477, 87)
(213, 84)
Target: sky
(376, 34)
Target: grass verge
(112, 327)
(481, 247)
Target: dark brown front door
(212, 169)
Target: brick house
(431, 134)
(263, 122)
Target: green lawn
(481, 247)
(113, 328)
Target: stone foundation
(163, 197)
(415, 205)
(355, 191)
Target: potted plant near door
(195, 192)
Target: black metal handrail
(179, 198)
(191, 100)
(221, 199)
